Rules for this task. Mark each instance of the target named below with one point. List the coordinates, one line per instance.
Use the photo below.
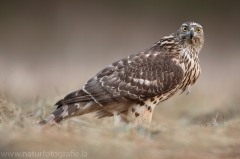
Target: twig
(214, 120)
(3, 84)
(203, 122)
(1, 119)
(33, 102)
(223, 118)
(44, 112)
(216, 116)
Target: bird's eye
(184, 29)
(199, 30)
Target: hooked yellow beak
(191, 32)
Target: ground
(193, 128)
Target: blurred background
(49, 48)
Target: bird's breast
(192, 71)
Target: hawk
(130, 88)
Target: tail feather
(74, 97)
(70, 110)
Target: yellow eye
(184, 29)
(199, 30)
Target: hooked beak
(191, 32)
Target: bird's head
(191, 33)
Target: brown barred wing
(135, 78)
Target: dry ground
(185, 133)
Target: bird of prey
(130, 88)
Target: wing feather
(137, 77)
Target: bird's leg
(119, 119)
(140, 114)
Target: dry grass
(214, 138)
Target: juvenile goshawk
(130, 88)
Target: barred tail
(67, 111)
